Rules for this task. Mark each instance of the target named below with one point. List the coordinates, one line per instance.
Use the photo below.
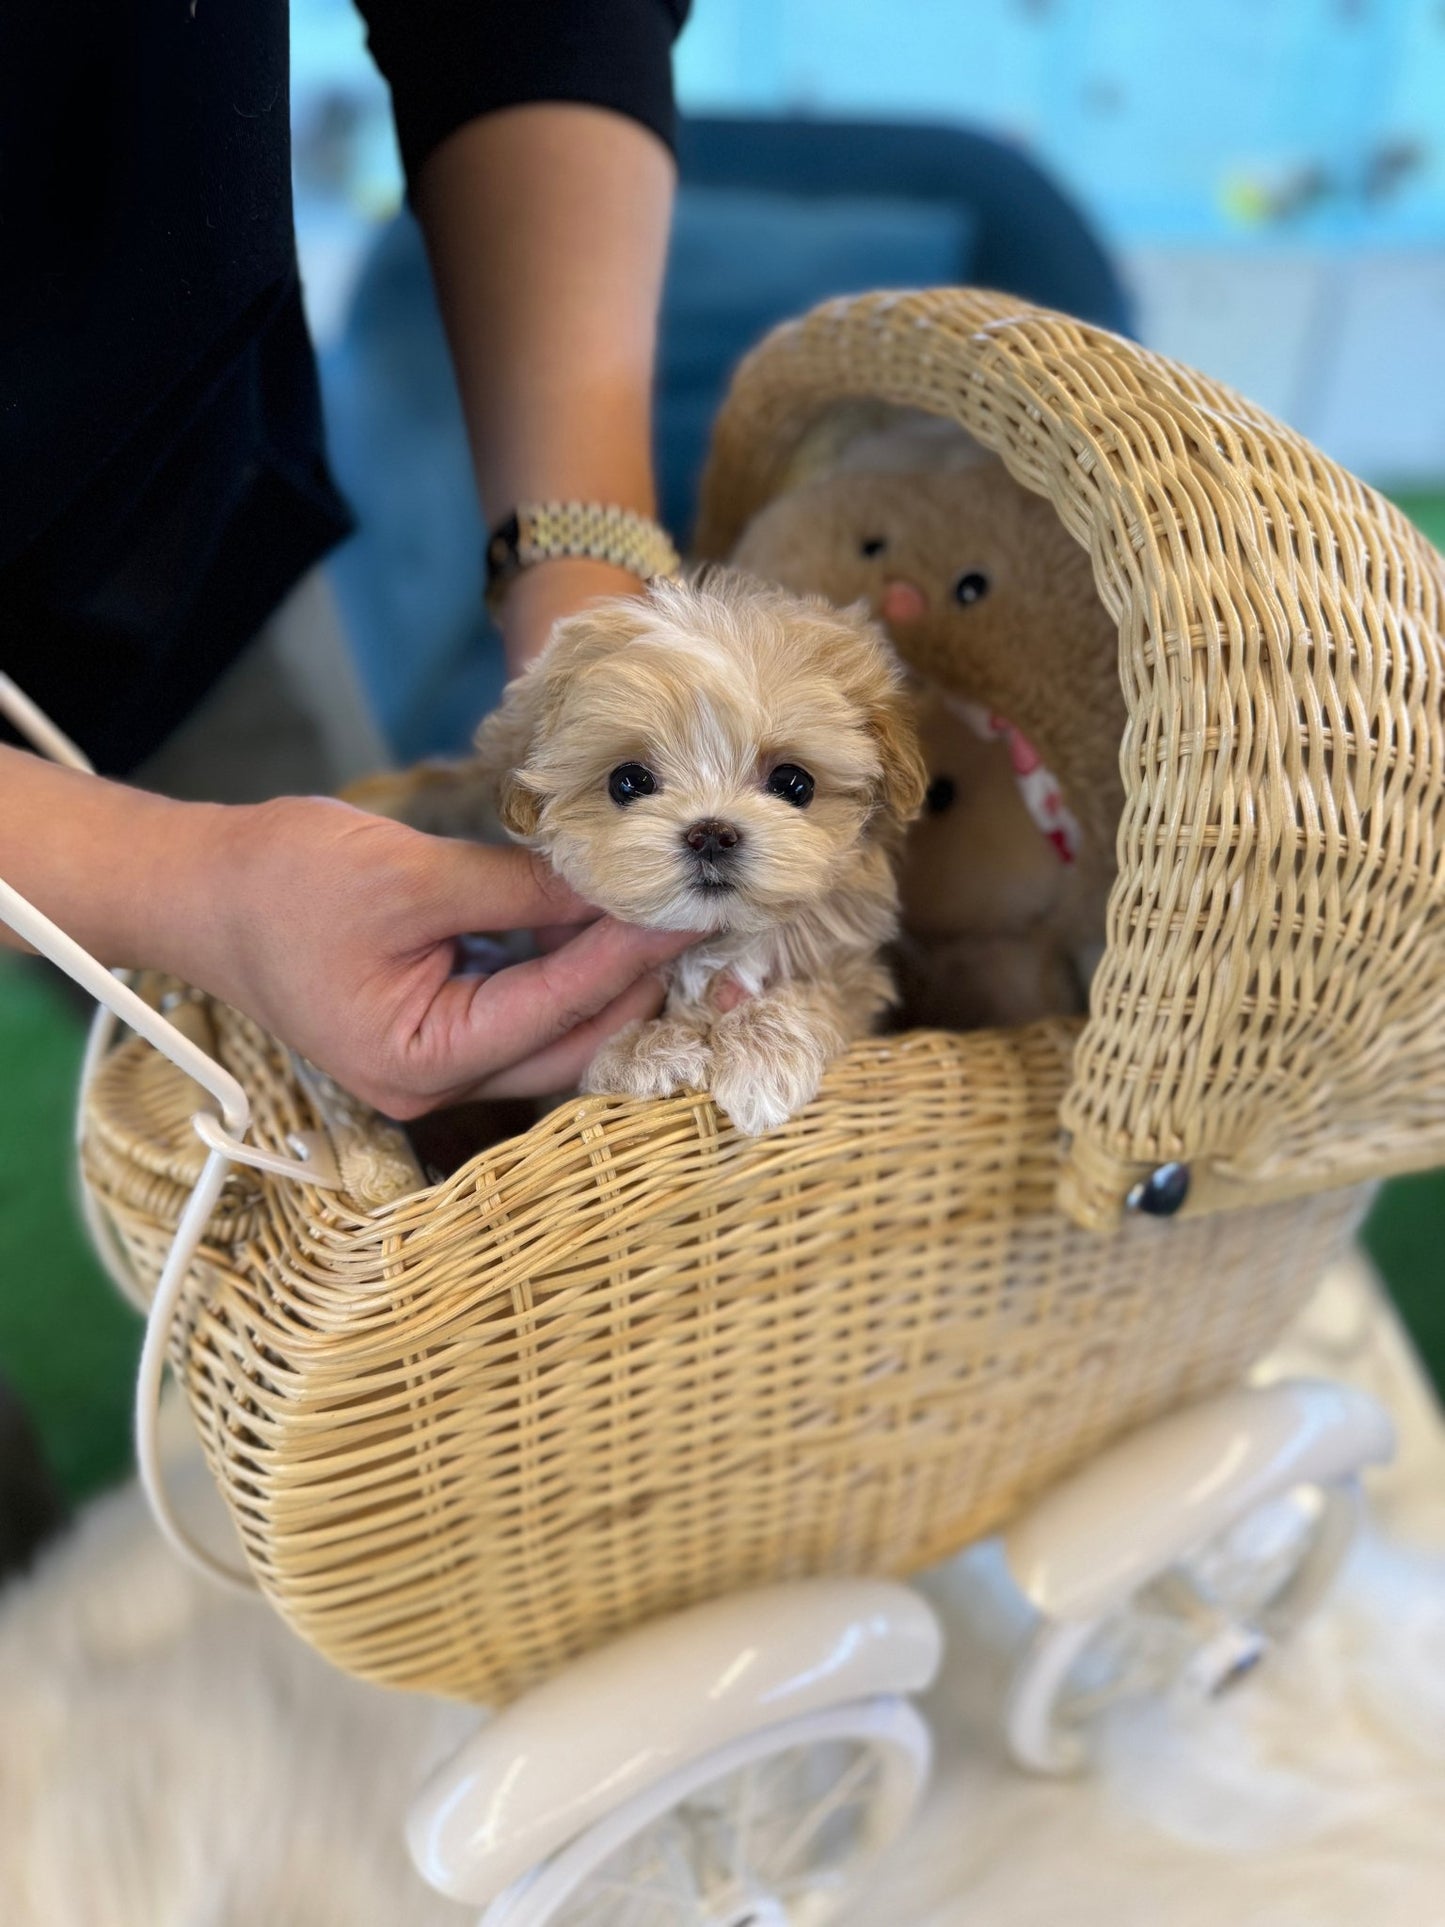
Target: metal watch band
(541, 531)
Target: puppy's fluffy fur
(722, 693)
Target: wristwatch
(542, 531)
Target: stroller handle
(224, 1138)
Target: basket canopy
(1269, 1005)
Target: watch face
(502, 551)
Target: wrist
(181, 882)
(546, 592)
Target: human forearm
(547, 227)
(108, 864)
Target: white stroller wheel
(771, 1830)
(1190, 1631)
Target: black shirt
(163, 481)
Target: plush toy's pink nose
(903, 602)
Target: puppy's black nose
(711, 839)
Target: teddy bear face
(979, 584)
(890, 541)
(985, 595)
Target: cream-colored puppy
(729, 758)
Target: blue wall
(1188, 121)
(1181, 121)
(1272, 172)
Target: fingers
(552, 936)
(560, 1066)
(494, 887)
(479, 1030)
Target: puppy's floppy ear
(890, 711)
(504, 743)
(508, 741)
(904, 780)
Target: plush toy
(990, 934)
(992, 604)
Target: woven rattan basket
(629, 1360)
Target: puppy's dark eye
(629, 781)
(970, 587)
(793, 784)
(940, 795)
(872, 545)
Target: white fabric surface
(173, 1757)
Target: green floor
(68, 1341)
(68, 1344)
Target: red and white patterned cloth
(1037, 785)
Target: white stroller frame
(738, 1764)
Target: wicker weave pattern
(630, 1361)
(1275, 982)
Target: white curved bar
(103, 1026)
(51, 941)
(891, 1726)
(33, 722)
(103, 1236)
(117, 1000)
(602, 1730)
(317, 1166)
(51, 741)
(1160, 1493)
(151, 1372)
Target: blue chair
(772, 217)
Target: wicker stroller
(632, 1426)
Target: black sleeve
(447, 61)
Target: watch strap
(542, 531)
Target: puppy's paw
(655, 1059)
(760, 1092)
(768, 1064)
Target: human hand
(336, 931)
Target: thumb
(485, 1026)
(559, 1067)
(488, 886)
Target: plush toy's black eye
(872, 545)
(940, 794)
(629, 781)
(970, 587)
(793, 784)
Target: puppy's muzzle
(715, 846)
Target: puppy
(729, 758)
